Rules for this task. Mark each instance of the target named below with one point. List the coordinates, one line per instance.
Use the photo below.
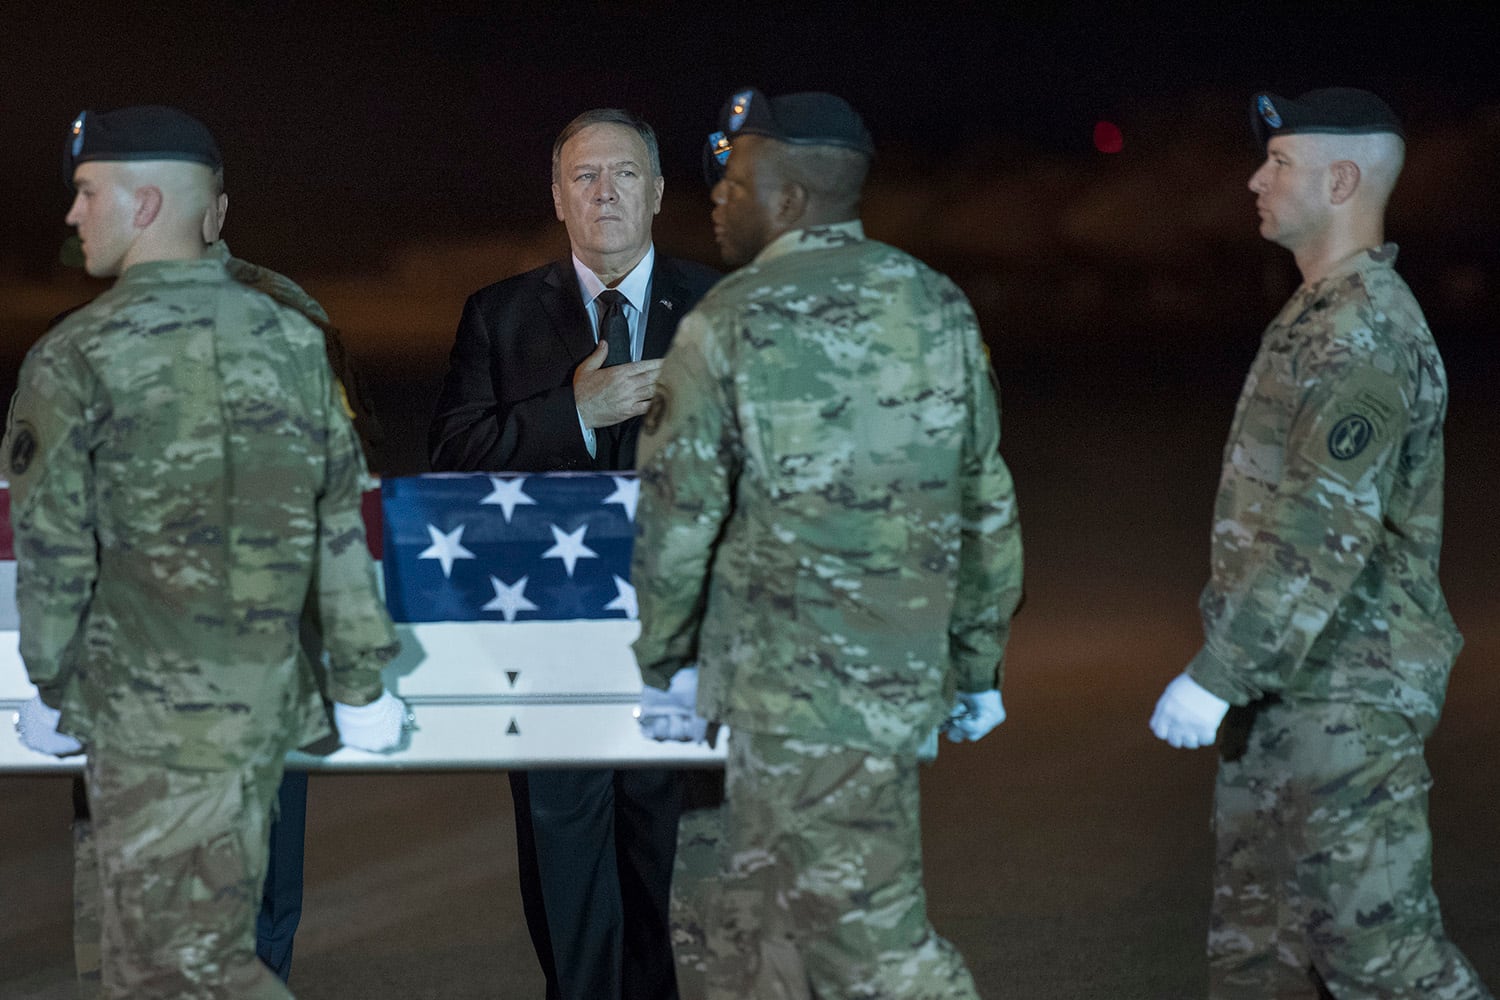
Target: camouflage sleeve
(287, 292)
(688, 464)
(355, 626)
(1339, 460)
(989, 567)
(52, 512)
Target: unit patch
(1349, 436)
(22, 449)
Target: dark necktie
(614, 328)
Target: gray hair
(606, 116)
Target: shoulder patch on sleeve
(1368, 419)
(23, 445)
(344, 398)
(657, 412)
(1350, 436)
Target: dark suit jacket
(507, 401)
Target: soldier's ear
(791, 204)
(1345, 174)
(213, 218)
(147, 205)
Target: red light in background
(1108, 138)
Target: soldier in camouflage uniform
(281, 899)
(826, 527)
(185, 489)
(1323, 619)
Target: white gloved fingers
(653, 727)
(1160, 726)
(684, 687)
(655, 700)
(36, 724)
(376, 727)
(685, 728)
(675, 726)
(974, 716)
(672, 714)
(1187, 715)
(696, 729)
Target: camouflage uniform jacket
(825, 522)
(184, 484)
(1328, 521)
(353, 394)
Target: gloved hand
(974, 715)
(672, 714)
(376, 727)
(37, 725)
(1188, 714)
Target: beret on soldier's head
(811, 118)
(142, 132)
(1332, 110)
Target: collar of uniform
(167, 272)
(837, 234)
(1381, 258)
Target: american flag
(512, 599)
(509, 548)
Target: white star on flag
(509, 598)
(625, 601)
(446, 548)
(507, 495)
(627, 494)
(569, 547)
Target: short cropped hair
(606, 116)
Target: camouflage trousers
(1323, 877)
(87, 931)
(820, 883)
(181, 857)
(695, 884)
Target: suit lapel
(564, 307)
(665, 310)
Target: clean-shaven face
(1292, 190)
(606, 193)
(103, 211)
(744, 199)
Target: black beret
(143, 132)
(812, 118)
(1332, 110)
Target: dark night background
(393, 160)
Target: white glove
(37, 726)
(376, 727)
(672, 714)
(1188, 714)
(974, 715)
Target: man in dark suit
(552, 369)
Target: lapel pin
(667, 303)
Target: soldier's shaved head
(1323, 195)
(1379, 157)
(833, 176)
(772, 187)
(188, 190)
(131, 211)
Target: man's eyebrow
(595, 166)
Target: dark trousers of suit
(281, 899)
(595, 850)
